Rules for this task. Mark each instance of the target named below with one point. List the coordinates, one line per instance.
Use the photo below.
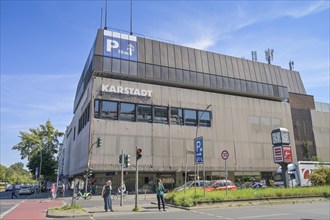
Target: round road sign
(224, 154)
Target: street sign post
(225, 155)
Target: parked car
(27, 190)
(9, 187)
(220, 185)
(18, 187)
(190, 184)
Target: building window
(88, 112)
(205, 120)
(176, 116)
(190, 117)
(96, 108)
(84, 119)
(109, 110)
(115, 110)
(127, 112)
(144, 113)
(160, 115)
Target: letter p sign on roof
(120, 46)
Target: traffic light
(86, 172)
(138, 153)
(99, 142)
(90, 171)
(127, 160)
(120, 158)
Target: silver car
(26, 190)
(198, 183)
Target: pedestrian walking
(122, 188)
(13, 192)
(53, 191)
(160, 193)
(106, 195)
(63, 189)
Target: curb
(259, 199)
(66, 216)
(198, 204)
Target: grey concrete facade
(248, 100)
(321, 129)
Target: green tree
(3, 170)
(42, 141)
(18, 167)
(16, 174)
(49, 164)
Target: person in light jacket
(106, 195)
(160, 194)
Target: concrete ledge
(53, 213)
(249, 202)
(260, 199)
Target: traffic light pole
(86, 181)
(122, 177)
(136, 182)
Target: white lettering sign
(126, 90)
(112, 44)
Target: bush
(189, 198)
(321, 176)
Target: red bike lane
(32, 209)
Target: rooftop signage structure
(120, 46)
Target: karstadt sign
(126, 90)
(121, 46)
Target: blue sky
(44, 46)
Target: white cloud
(312, 8)
(203, 30)
(31, 100)
(317, 80)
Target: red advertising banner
(287, 153)
(278, 154)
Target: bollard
(145, 194)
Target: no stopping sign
(224, 154)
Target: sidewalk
(126, 208)
(146, 203)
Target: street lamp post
(186, 171)
(199, 118)
(40, 183)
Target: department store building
(158, 96)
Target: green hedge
(321, 176)
(189, 198)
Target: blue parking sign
(199, 156)
(120, 46)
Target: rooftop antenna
(101, 17)
(106, 14)
(131, 8)
(269, 54)
(254, 55)
(291, 65)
